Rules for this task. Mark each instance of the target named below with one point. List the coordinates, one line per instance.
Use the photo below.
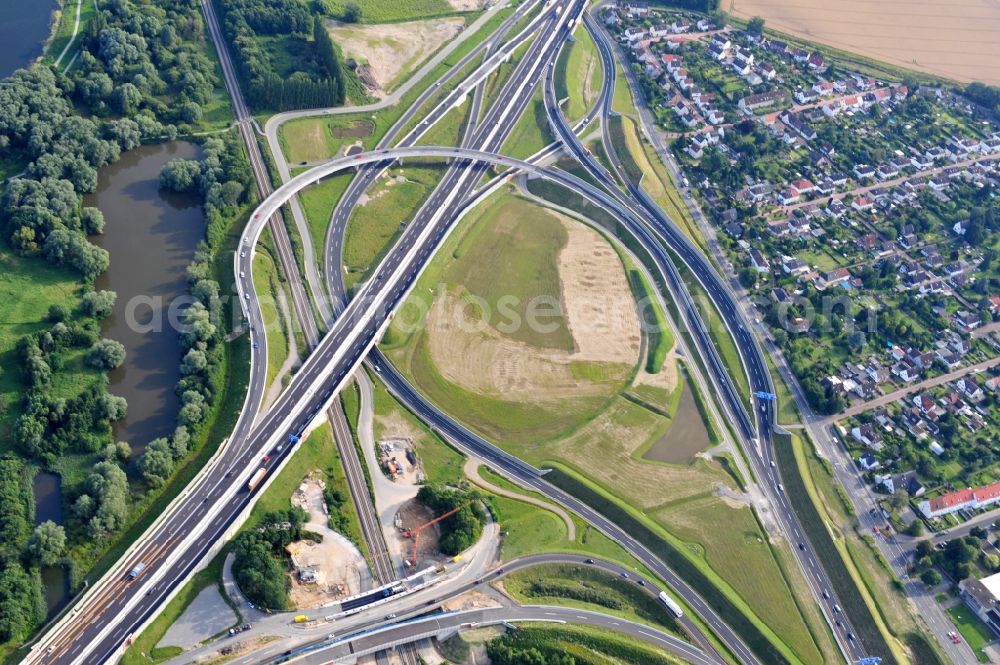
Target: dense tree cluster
(21, 604)
(956, 559)
(104, 504)
(15, 506)
(146, 63)
(984, 95)
(258, 564)
(48, 426)
(462, 529)
(321, 83)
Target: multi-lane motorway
(100, 624)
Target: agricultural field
(956, 40)
(388, 52)
(518, 338)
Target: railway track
(371, 529)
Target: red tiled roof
(952, 499)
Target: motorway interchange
(198, 522)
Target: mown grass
(973, 630)
(567, 582)
(64, 32)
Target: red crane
(415, 533)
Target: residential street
(889, 398)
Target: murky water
(151, 236)
(23, 29)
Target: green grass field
(583, 76)
(63, 33)
(27, 287)
(973, 630)
(393, 11)
(392, 202)
(531, 133)
(265, 278)
(318, 202)
(317, 138)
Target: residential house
(758, 261)
(981, 597)
(967, 321)
(974, 498)
(759, 101)
(868, 462)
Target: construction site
(325, 571)
(399, 461)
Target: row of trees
(319, 79)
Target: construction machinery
(415, 533)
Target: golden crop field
(957, 39)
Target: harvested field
(603, 326)
(956, 39)
(392, 50)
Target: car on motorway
(850, 636)
(836, 608)
(642, 582)
(624, 574)
(955, 639)
(802, 546)
(389, 616)
(589, 561)
(826, 594)
(267, 458)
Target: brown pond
(151, 236)
(687, 434)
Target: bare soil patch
(601, 317)
(322, 571)
(666, 378)
(410, 516)
(358, 129)
(957, 39)
(391, 49)
(465, 5)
